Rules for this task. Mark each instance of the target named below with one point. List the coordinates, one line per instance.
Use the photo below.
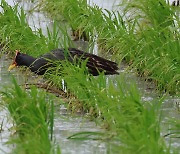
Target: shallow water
(66, 124)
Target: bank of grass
(133, 122)
(33, 115)
(148, 39)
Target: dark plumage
(95, 64)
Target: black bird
(95, 64)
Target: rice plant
(17, 35)
(148, 40)
(33, 116)
(134, 123)
(113, 102)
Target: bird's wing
(93, 61)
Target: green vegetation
(16, 33)
(148, 40)
(133, 122)
(111, 101)
(32, 113)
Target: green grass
(113, 102)
(134, 123)
(32, 111)
(33, 116)
(17, 35)
(149, 41)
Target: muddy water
(66, 124)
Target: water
(65, 123)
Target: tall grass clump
(17, 34)
(134, 123)
(158, 42)
(32, 113)
(145, 35)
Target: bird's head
(14, 64)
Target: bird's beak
(12, 66)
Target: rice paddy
(143, 36)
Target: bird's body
(95, 64)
